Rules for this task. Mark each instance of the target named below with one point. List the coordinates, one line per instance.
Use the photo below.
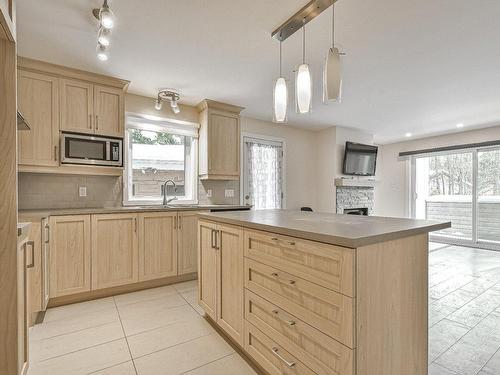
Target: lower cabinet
(114, 250)
(221, 276)
(187, 254)
(157, 245)
(69, 255)
(34, 271)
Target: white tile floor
(156, 331)
(161, 331)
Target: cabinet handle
(90, 121)
(135, 224)
(217, 244)
(55, 153)
(274, 239)
(48, 234)
(96, 122)
(179, 221)
(32, 244)
(212, 239)
(289, 364)
(289, 322)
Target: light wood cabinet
(89, 108)
(207, 268)
(221, 276)
(187, 249)
(8, 20)
(229, 243)
(114, 250)
(109, 109)
(45, 263)
(34, 270)
(77, 106)
(219, 142)
(22, 308)
(157, 245)
(70, 253)
(38, 102)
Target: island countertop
(343, 230)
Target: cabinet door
(34, 272)
(22, 316)
(38, 102)
(109, 111)
(157, 245)
(69, 255)
(207, 268)
(187, 252)
(223, 144)
(114, 250)
(77, 106)
(230, 274)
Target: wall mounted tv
(359, 160)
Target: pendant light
(280, 97)
(332, 75)
(303, 80)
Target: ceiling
(411, 66)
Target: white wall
(392, 189)
(330, 155)
(300, 159)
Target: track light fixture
(168, 95)
(106, 20)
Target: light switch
(229, 193)
(82, 191)
(209, 193)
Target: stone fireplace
(355, 200)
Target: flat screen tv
(359, 160)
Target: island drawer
(272, 357)
(321, 353)
(327, 265)
(328, 311)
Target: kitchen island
(315, 293)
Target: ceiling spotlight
(104, 36)
(102, 53)
(158, 104)
(175, 106)
(168, 95)
(408, 135)
(460, 125)
(105, 15)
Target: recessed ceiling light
(460, 125)
(408, 135)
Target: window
(159, 150)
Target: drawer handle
(275, 312)
(274, 239)
(289, 364)
(291, 243)
(291, 322)
(274, 274)
(291, 282)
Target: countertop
(30, 215)
(343, 230)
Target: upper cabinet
(8, 20)
(38, 101)
(94, 109)
(52, 99)
(77, 106)
(219, 143)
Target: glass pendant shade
(104, 36)
(280, 100)
(332, 77)
(303, 89)
(102, 53)
(107, 18)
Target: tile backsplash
(39, 191)
(218, 188)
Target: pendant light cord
(304, 41)
(280, 55)
(333, 25)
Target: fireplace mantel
(354, 182)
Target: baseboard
(122, 289)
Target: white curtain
(264, 175)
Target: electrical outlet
(229, 193)
(209, 193)
(82, 191)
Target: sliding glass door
(462, 187)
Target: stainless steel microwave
(91, 150)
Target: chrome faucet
(167, 200)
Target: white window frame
(179, 127)
(243, 167)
